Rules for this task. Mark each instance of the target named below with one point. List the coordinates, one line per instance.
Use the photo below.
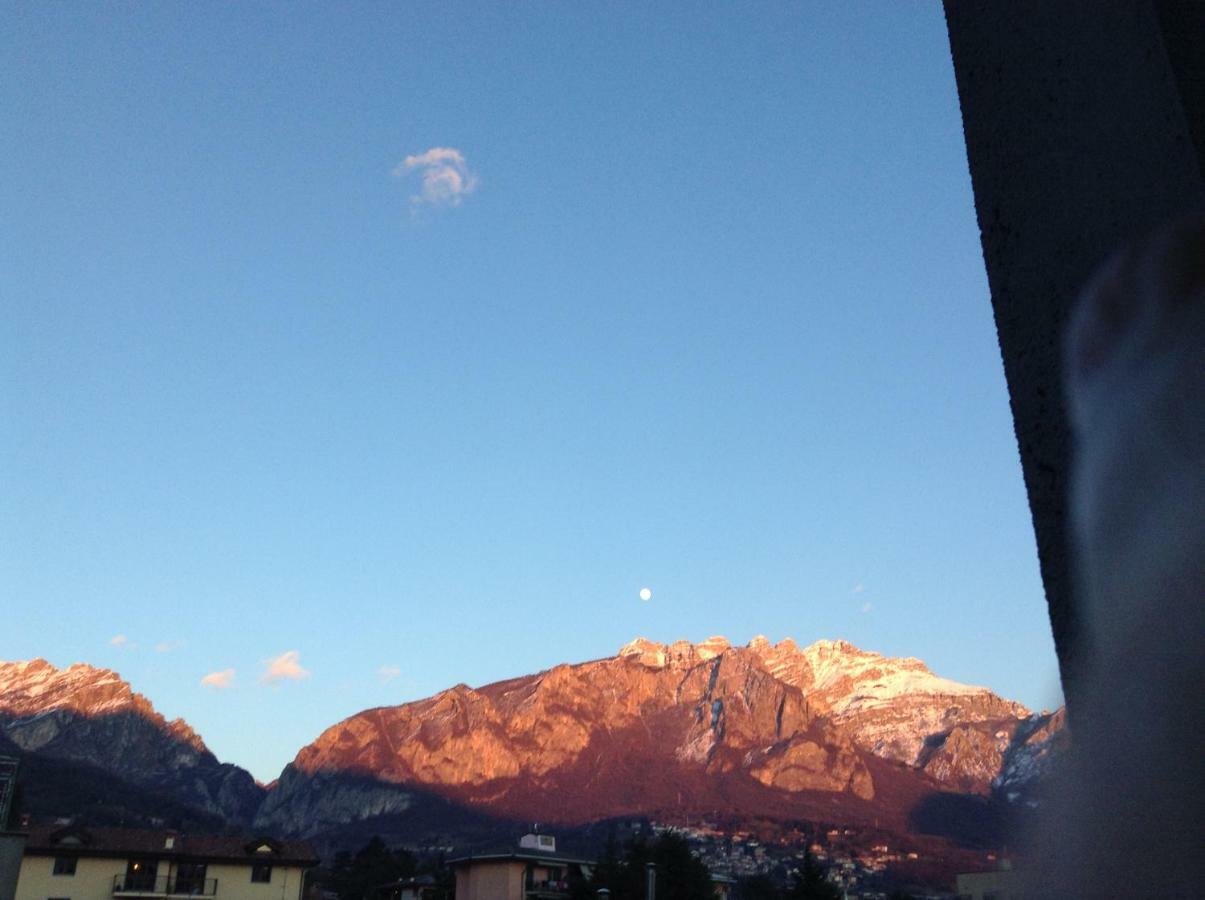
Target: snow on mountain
(888, 705)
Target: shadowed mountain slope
(93, 748)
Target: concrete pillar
(1085, 126)
(12, 848)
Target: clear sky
(687, 296)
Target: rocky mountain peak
(36, 686)
(886, 705)
(679, 655)
(86, 715)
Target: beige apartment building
(533, 871)
(82, 863)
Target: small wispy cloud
(168, 646)
(388, 673)
(119, 640)
(221, 680)
(286, 667)
(858, 588)
(446, 178)
(867, 607)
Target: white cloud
(388, 673)
(867, 607)
(221, 680)
(858, 588)
(446, 177)
(168, 646)
(286, 667)
(119, 640)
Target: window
(140, 875)
(190, 878)
(261, 872)
(64, 865)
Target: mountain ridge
(89, 725)
(657, 728)
(716, 718)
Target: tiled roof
(102, 841)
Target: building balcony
(552, 890)
(136, 885)
(192, 887)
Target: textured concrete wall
(1083, 125)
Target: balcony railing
(546, 888)
(186, 886)
(135, 885)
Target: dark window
(64, 865)
(261, 872)
(190, 878)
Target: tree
(810, 883)
(680, 876)
(758, 887)
(373, 865)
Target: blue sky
(697, 303)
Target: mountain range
(672, 732)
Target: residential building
(1001, 884)
(12, 846)
(533, 871)
(12, 843)
(83, 863)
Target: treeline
(681, 876)
(361, 875)
(622, 871)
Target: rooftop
(76, 840)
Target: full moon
(646, 595)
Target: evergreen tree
(810, 883)
(373, 865)
(680, 876)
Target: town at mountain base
(675, 733)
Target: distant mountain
(91, 746)
(669, 731)
(672, 732)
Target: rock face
(83, 716)
(760, 729)
(888, 706)
(659, 730)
